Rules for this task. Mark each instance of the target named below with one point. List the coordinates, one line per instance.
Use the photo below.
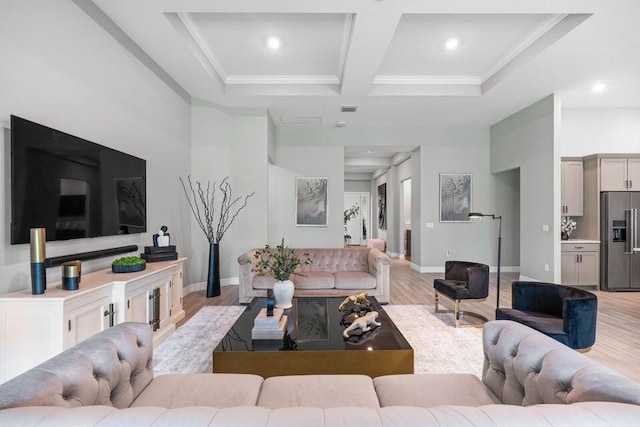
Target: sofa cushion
(263, 282)
(426, 390)
(354, 280)
(217, 390)
(314, 280)
(320, 391)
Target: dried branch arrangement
(202, 201)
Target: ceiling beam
(371, 34)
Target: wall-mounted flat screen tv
(72, 187)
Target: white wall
(589, 131)
(60, 69)
(527, 140)
(291, 162)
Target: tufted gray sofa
(528, 379)
(341, 271)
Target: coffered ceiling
(389, 58)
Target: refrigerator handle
(634, 235)
(630, 218)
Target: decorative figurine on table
(359, 300)
(161, 238)
(365, 323)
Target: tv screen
(72, 187)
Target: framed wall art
(382, 206)
(455, 197)
(311, 201)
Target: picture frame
(455, 197)
(311, 201)
(382, 206)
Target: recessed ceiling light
(452, 44)
(341, 124)
(273, 43)
(598, 87)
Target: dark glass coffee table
(314, 344)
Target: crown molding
(427, 80)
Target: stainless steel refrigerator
(620, 248)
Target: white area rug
(189, 348)
(438, 347)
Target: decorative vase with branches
(281, 262)
(214, 214)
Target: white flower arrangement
(568, 225)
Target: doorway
(357, 215)
(405, 218)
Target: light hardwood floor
(618, 332)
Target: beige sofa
(342, 271)
(528, 379)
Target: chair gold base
(457, 312)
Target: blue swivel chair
(564, 313)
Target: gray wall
(230, 143)
(60, 69)
(527, 141)
(357, 186)
(459, 151)
(291, 162)
(440, 150)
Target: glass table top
(314, 323)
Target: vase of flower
(283, 293)
(567, 225)
(280, 262)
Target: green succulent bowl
(128, 264)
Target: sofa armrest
(579, 320)
(245, 276)
(110, 368)
(379, 268)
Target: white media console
(34, 328)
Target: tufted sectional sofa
(341, 271)
(529, 379)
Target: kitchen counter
(579, 241)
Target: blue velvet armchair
(564, 313)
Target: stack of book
(159, 253)
(269, 327)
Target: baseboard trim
(527, 279)
(201, 286)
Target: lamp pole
(499, 253)
(499, 218)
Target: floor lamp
(498, 217)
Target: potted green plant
(281, 262)
(128, 264)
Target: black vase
(213, 277)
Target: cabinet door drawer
(580, 247)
